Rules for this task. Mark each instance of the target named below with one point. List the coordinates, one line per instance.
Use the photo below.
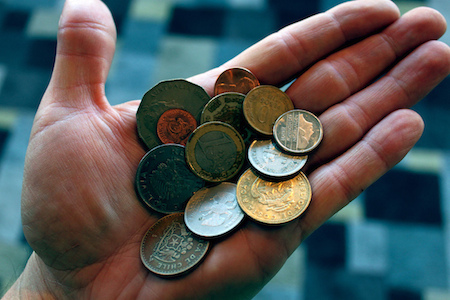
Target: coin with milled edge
(178, 93)
(238, 80)
(164, 181)
(215, 151)
(213, 211)
(169, 248)
(175, 125)
(298, 131)
(263, 105)
(268, 160)
(273, 202)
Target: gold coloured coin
(263, 105)
(298, 131)
(169, 248)
(215, 151)
(238, 80)
(273, 202)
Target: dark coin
(169, 248)
(164, 181)
(165, 95)
(175, 125)
(227, 108)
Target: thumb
(86, 45)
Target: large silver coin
(178, 93)
(213, 211)
(264, 156)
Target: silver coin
(213, 211)
(265, 157)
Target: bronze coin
(175, 125)
(239, 80)
(169, 248)
(263, 105)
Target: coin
(227, 108)
(273, 202)
(169, 248)
(238, 80)
(267, 159)
(163, 180)
(263, 105)
(175, 125)
(213, 211)
(178, 93)
(215, 151)
(298, 131)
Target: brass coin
(169, 248)
(227, 108)
(263, 105)
(238, 80)
(273, 202)
(178, 93)
(298, 131)
(175, 125)
(215, 151)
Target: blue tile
(14, 55)
(403, 294)
(249, 24)
(119, 11)
(15, 20)
(202, 21)
(288, 12)
(404, 196)
(327, 245)
(142, 36)
(41, 54)
(229, 48)
(3, 137)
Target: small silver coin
(213, 211)
(265, 157)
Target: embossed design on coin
(263, 105)
(215, 151)
(175, 125)
(213, 211)
(298, 131)
(264, 156)
(227, 108)
(273, 202)
(169, 248)
(164, 181)
(165, 95)
(238, 80)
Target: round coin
(215, 151)
(164, 181)
(178, 93)
(227, 108)
(175, 125)
(273, 202)
(263, 105)
(169, 248)
(268, 160)
(238, 80)
(213, 211)
(298, 131)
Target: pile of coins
(214, 161)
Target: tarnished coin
(263, 105)
(164, 181)
(227, 108)
(238, 80)
(169, 248)
(165, 95)
(273, 202)
(175, 125)
(215, 151)
(213, 211)
(267, 159)
(298, 131)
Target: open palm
(80, 211)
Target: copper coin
(175, 125)
(263, 105)
(239, 80)
(273, 202)
(169, 248)
(298, 131)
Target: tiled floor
(392, 242)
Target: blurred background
(392, 242)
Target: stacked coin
(201, 177)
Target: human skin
(359, 67)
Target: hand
(358, 66)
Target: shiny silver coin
(213, 211)
(265, 158)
